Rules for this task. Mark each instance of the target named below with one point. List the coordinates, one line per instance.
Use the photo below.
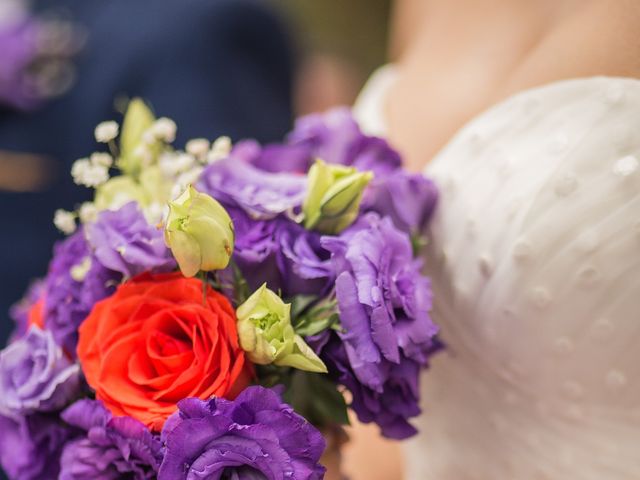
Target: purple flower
(335, 137)
(408, 199)
(262, 195)
(112, 447)
(30, 447)
(75, 282)
(275, 158)
(124, 242)
(36, 376)
(19, 47)
(281, 253)
(389, 407)
(254, 436)
(384, 305)
(304, 263)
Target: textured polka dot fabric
(535, 260)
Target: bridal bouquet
(211, 309)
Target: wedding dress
(535, 260)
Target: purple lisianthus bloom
(408, 199)
(383, 300)
(335, 137)
(111, 447)
(281, 253)
(390, 407)
(256, 436)
(263, 195)
(274, 158)
(30, 447)
(123, 241)
(36, 376)
(75, 282)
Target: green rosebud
(138, 120)
(199, 232)
(334, 196)
(266, 333)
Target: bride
(527, 115)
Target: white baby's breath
(79, 272)
(219, 150)
(184, 180)
(174, 163)
(156, 213)
(149, 137)
(88, 212)
(102, 158)
(164, 129)
(145, 155)
(86, 173)
(64, 221)
(198, 147)
(106, 131)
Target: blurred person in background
(218, 67)
(339, 43)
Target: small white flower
(184, 180)
(198, 147)
(102, 158)
(86, 173)
(220, 149)
(184, 162)
(144, 154)
(156, 213)
(65, 221)
(79, 272)
(149, 137)
(106, 131)
(88, 212)
(164, 129)
(173, 163)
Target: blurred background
(243, 68)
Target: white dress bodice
(535, 260)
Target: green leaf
(313, 325)
(300, 303)
(316, 318)
(316, 397)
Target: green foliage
(317, 398)
(312, 319)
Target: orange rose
(36, 314)
(155, 341)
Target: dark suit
(214, 66)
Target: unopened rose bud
(199, 232)
(137, 121)
(267, 336)
(334, 196)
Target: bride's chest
(535, 247)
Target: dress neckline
(369, 107)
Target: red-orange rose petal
(155, 342)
